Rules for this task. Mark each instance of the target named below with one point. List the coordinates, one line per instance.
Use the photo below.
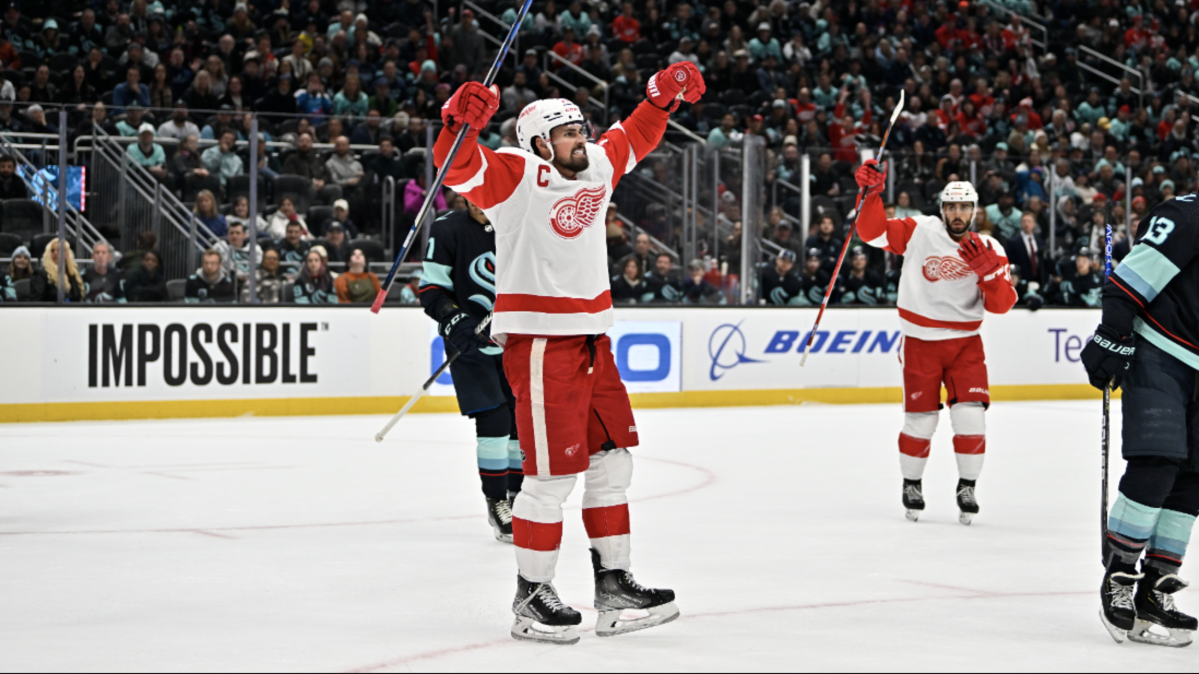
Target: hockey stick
(1107, 409)
(425, 387)
(828, 292)
(433, 189)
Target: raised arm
(482, 176)
(630, 140)
(873, 226)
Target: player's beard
(574, 163)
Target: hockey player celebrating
(951, 276)
(1146, 345)
(457, 290)
(553, 304)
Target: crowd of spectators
(347, 86)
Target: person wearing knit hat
(21, 267)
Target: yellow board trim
(196, 409)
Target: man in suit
(1027, 250)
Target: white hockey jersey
(551, 246)
(940, 296)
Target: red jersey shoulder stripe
(539, 304)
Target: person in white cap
(546, 200)
(765, 44)
(951, 278)
(148, 154)
(341, 216)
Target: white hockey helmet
(959, 191)
(539, 118)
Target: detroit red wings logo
(571, 215)
(948, 268)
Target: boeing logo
(727, 347)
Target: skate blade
(966, 518)
(527, 629)
(1117, 633)
(501, 536)
(913, 515)
(1145, 632)
(611, 623)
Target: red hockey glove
(472, 104)
(681, 79)
(981, 258)
(871, 176)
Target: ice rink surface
(299, 544)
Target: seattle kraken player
(457, 290)
(1146, 344)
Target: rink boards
(153, 362)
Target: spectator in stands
(351, 101)
(187, 160)
(210, 283)
(626, 27)
(268, 280)
(241, 216)
(235, 251)
(178, 126)
(280, 102)
(664, 281)
(414, 196)
(8, 289)
(11, 185)
(341, 215)
(782, 238)
(903, 206)
(208, 215)
(20, 266)
(629, 286)
(1027, 250)
(1003, 218)
(337, 247)
(278, 222)
(199, 95)
(387, 162)
(103, 281)
(726, 134)
(78, 93)
(862, 285)
(369, 131)
(147, 283)
(823, 241)
(696, 289)
(131, 90)
(314, 285)
(218, 124)
(306, 162)
(221, 159)
(148, 154)
(358, 285)
(518, 95)
(293, 247)
(43, 286)
(313, 101)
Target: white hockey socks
(606, 506)
(537, 525)
(915, 441)
(969, 438)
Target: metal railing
(133, 200)
(480, 12)
(1140, 90)
(1029, 20)
(549, 55)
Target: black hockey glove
(1108, 357)
(458, 330)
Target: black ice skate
(499, 516)
(616, 591)
(541, 616)
(913, 499)
(1157, 621)
(1116, 597)
(967, 504)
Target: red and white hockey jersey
(551, 246)
(940, 296)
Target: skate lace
(1166, 601)
(966, 494)
(1121, 595)
(633, 584)
(549, 596)
(913, 493)
(504, 510)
